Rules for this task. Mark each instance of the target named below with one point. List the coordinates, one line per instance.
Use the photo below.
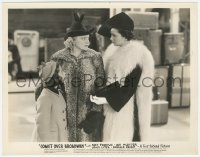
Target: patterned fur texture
(80, 79)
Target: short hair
(126, 34)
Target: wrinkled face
(81, 42)
(116, 38)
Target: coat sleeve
(43, 118)
(100, 73)
(100, 78)
(38, 91)
(144, 95)
(117, 95)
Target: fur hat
(77, 28)
(120, 21)
(46, 70)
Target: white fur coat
(119, 62)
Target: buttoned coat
(83, 76)
(51, 122)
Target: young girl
(51, 123)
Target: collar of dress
(67, 55)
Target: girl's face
(81, 42)
(116, 38)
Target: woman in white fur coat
(129, 68)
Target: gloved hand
(68, 43)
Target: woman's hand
(98, 100)
(68, 42)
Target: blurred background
(35, 34)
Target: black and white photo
(91, 74)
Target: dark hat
(77, 28)
(119, 21)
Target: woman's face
(81, 42)
(116, 38)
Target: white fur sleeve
(144, 93)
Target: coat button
(63, 111)
(63, 119)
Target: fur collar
(120, 61)
(66, 54)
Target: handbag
(94, 120)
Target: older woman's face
(81, 42)
(116, 38)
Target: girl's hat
(46, 70)
(119, 21)
(77, 28)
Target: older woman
(129, 68)
(84, 74)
